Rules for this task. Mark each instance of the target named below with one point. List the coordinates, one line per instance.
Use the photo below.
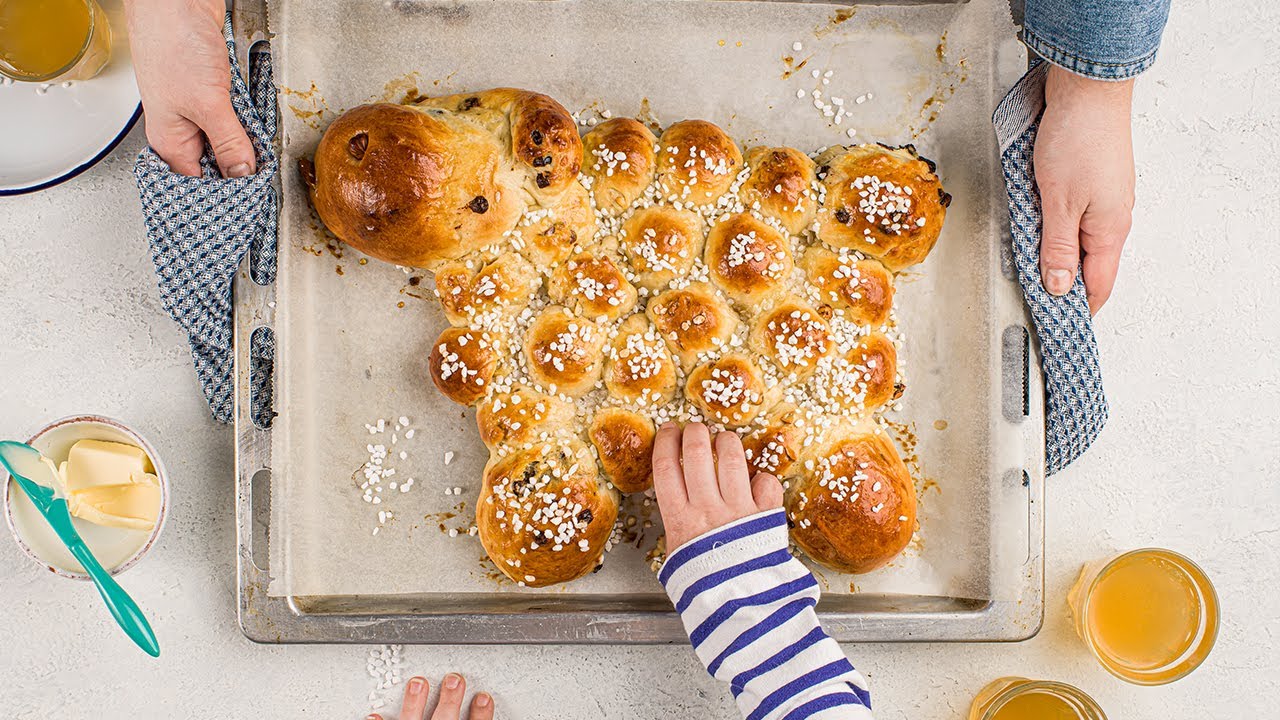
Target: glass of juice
(53, 40)
(1150, 616)
(1016, 698)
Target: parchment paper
(351, 354)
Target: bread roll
(730, 390)
(548, 237)
(415, 187)
(592, 286)
(693, 320)
(781, 186)
(855, 509)
(793, 335)
(697, 162)
(621, 161)
(860, 379)
(777, 446)
(463, 363)
(862, 289)
(638, 367)
(660, 244)
(885, 202)
(563, 352)
(747, 259)
(544, 517)
(522, 415)
(624, 443)
(483, 295)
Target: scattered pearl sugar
(448, 457)
(385, 666)
(797, 46)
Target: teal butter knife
(23, 463)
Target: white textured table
(1190, 459)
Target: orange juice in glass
(1016, 698)
(1150, 616)
(53, 40)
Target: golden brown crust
(697, 162)
(638, 368)
(520, 416)
(563, 352)
(553, 235)
(856, 509)
(543, 516)
(861, 379)
(592, 285)
(660, 243)
(543, 136)
(730, 390)
(747, 259)
(781, 186)
(693, 320)
(619, 158)
(474, 294)
(624, 443)
(793, 335)
(462, 363)
(776, 447)
(414, 187)
(863, 289)
(885, 202)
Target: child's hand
(697, 494)
(449, 707)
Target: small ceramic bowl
(117, 549)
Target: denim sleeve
(1103, 39)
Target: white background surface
(1190, 459)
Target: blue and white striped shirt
(748, 607)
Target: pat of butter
(91, 463)
(111, 484)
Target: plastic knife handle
(126, 612)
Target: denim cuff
(1084, 66)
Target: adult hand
(1084, 168)
(184, 78)
(698, 490)
(448, 707)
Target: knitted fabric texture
(199, 230)
(1075, 405)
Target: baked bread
(620, 161)
(543, 515)
(608, 285)
(562, 351)
(855, 509)
(661, 243)
(884, 202)
(624, 443)
(781, 187)
(463, 362)
(697, 163)
(747, 259)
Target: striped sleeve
(748, 607)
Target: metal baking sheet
(352, 337)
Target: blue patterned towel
(1075, 406)
(199, 229)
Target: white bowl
(118, 549)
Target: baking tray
(1007, 418)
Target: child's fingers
(481, 707)
(452, 690)
(766, 491)
(668, 478)
(699, 466)
(731, 471)
(415, 699)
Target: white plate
(49, 133)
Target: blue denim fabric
(1103, 39)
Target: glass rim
(88, 39)
(1206, 641)
(1091, 707)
